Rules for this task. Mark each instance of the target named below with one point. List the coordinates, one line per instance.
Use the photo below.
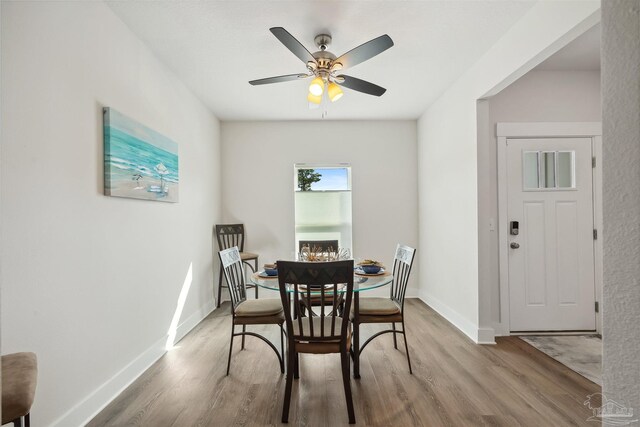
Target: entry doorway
(550, 260)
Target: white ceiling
(216, 47)
(582, 54)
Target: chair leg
(296, 369)
(282, 349)
(27, 420)
(17, 422)
(219, 288)
(244, 329)
(346, 380)
(230, 348)
(289, 384)
(395, 341)
(255, 270)
(406, 346)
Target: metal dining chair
(329, 331)
(389, 310)
(249, 312)
(228, 236)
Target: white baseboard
(411, 292)
(477, 335)
(192, 321)
(486, 336)
(501, 330)
(88, 408)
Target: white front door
(551, 251)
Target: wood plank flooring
(454, 383)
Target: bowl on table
(271, 269)
(370, 268)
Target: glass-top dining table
(361, 283)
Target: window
(549, 170)
(323, 178)
(323, 204)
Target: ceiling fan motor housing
(322, 41)
(323, 57)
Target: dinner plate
(264, 275)
(360, 272)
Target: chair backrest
(230, 235)
(231, 264)
(322, 245)
(305, 280)
(402, 262)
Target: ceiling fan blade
(278, 79)
(292, 44)
(362, 86)
(365, 51)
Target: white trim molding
(548, 129)
(486, 336)
(81, 413)
(477, 335)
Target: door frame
(522, 130)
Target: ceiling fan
(324, 66)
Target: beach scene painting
(139, 162)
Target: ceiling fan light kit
(314, 99)
(334, 92)
(323, 66)
(316, 87)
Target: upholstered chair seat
(259, 307)
(378, 307)
(19, 378)
(317, 327)
(246, 256)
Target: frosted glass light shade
(316, 87)
(314, 99)
(335, 92)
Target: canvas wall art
(139, 162)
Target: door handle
(514, 245)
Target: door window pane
(530, 165)
(548, 169)
(566, 169)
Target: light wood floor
(454, 383)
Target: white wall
(91, 283)
(258, 185)
(621, 175)
(539, 96)
(447, 158)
